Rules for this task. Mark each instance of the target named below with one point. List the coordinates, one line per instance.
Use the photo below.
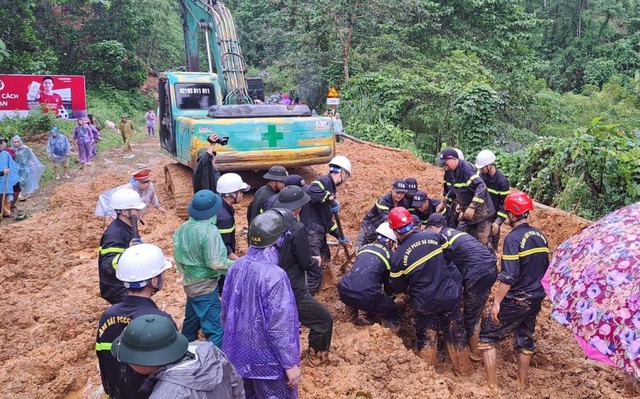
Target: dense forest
(552, 85)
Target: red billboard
(62, 94)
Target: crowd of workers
(437, 256)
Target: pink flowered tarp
(593, 283)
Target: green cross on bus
(272, 135)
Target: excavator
(194, 104)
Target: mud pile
(50, 303)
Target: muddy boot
(523, 367)
(475, 354)
(429, 355)
(460, 360)
(315, 359)
(352, 315)
(489, 358)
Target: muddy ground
(50, 303)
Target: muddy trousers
(315, 316)
(269, 389)
(366, 235)
(474, 300)
(480, 231)
(380, 304)
(318, 247)
(517, 316)
(203, 312)
(449, 320)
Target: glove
(400, 299)
(344, 240)
(335, 207)
(469, 213)
(495, 229)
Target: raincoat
(257, 294)
(58, 147)
(31, 169)
(6, 162)
(149, 197)
(205, 373)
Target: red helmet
(518, 203)
(399, 217)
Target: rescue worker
(116, 238)
(419, 269)
(126, 128)
(498, 187)
(141, 272)
(365, 286)
(472, 198)
(317, 216)
(205, 174)
(517, 302)
(201, 257)
(379, 213)
(412, 187)
(291, 180)
(478, 269)
(173, 367)
(423, 207)
(295, 258)
(231, 188)
(275, 182)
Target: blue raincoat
(260, 317)
(6, 162)
(58, 147)
(31, 169)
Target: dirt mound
(50, 301)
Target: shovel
(347, 253)
(4, 195)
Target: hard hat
(484, 158)
(141, 263)
(204, 205)
(150, 340)
(518, 203)
(399, 217)
(265, 229)
(230, 183)
(340, 162)
(385, 231)
(277, 173)
(126, 198)
(291, 198)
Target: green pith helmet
(150, 340)
(265, 229)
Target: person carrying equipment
(419, 269)
(116, 238)
(317, 216)
(478, 268)
(498, 187)
(475, 207)
(365, 286)
(379, 213)
(517, 302)
(275, 182)
(141, 272)
(295, 258)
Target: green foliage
(591, 173)
(34, 124)
(475, 109)
(109, 63)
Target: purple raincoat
(260, 317)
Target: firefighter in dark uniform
(275, 182)
(141, 272)
(291, 180)
(423, 207)
(476, 210)
(478, 269)
(380, 212)
(295, 258)
(364, 287)
(116, 238)
(412, 187)
(498, 187)
(317, 216)
(517, 302)
(205, 174)
(419, 269)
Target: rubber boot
(523, 367)
(460, 360)
(475, 354)
(489, 358)
(315, 359)
(428, 354)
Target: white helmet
(460, 154)
(126, 198)
(385, 231)
(140, 263)
(484, 158)
(230, 183)
(342, 162)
